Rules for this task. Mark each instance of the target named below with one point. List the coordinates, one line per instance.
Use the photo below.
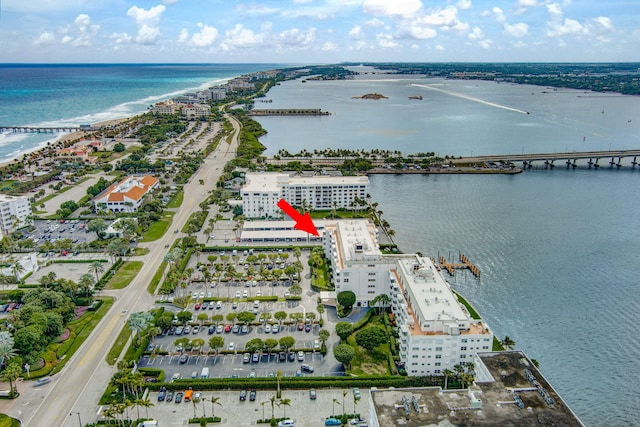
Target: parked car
(232, 346)
(356, 392)
(255, 358)
(252, 395)
(219, 304)
(212, 329)
(162, 394)
(292, 357)
(312, 394)
(267, 329)
(169, 397)
(332, 422)
(183, 359)
(246, 358)
(219, 329)
(178, 397)
(307, 368)
(275, 329)
(301, 356)
(282, 356)
(307, 327)
(244, 329)
(286, 423)
(243, 395)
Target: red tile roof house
(126, 195)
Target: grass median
(126, 273)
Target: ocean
(75, 94)
(558, 249)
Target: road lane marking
(100, 340)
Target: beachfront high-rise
(262, 191)
(14, 213)
(436, 331)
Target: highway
(548, 156)
(79, 386)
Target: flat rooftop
(497, 405)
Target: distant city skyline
(319, 31)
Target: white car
(232, 346)
(267, 329)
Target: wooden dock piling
(464, 263)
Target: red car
(197, 306)
(227, 328)
(300, 326)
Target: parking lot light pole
(78, 414)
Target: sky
(318, 31)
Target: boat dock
(463, 264)
(289, 112)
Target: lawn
(7, 421)
(375, 362)
(158, 228)
(121, 341)
(125, 275)
(176, 200)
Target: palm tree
(272, 399)
(146, 404)
(320, 309)
(11, 373)
(447, 373)
(216, 401)
(97, 268)
(6, 347)
(86, 282)
(507, 342)
(333, 406)
(17, 269)
(284, 403)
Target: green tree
(246, 317)
(270, 344)
(138, 322)
(507, 342)
(97, 268)
(371, 337)
(344, 329)
(118, 147)
(6, 347)
(184, 316)
(216, 343)
(214, 401)
(97, 226)
(344, 354)
(346, 299)
(11, 373)
(280, 316)
(287, 342)
(253, 345)
(284, 403)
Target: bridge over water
(570, 158)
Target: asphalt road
(79, 386)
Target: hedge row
(298, 383)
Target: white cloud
(421, 32)
(602, 27)
(240, 37)
(302, 1)
(386, 40)
(464, 4)
(523, 5)
(440, 48)
(476, 34)
(80, 33)
(255, 10)
(356, 33)
(45, 39)
(120, 38)
(391, 8)
(486, 44)
(148, 22)
(374, 23)
(296, 38)
(205, 37)
(516, 30)
(184, 36)
(557, 27)
(329, 47)
(169, 1)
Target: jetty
(464, 263)
(289, 112)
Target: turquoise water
(52, 95)
(558, 249)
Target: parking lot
(234, 412)
(53, 231)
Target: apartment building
(262, 191)
(436, 330)
(357, 264)
(14, 213)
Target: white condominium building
(126, 195)
(436, 331)
(262, 191)
(14, 213)
(357, 264)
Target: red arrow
(303, 222)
